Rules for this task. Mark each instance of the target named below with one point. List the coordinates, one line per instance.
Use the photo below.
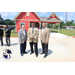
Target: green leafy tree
(1, 20)
(9, 22)
(56, 26)
(62, 24)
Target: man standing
(22, 35)
(1, 37)
(44, 35)
(33, 33)
(7, 33)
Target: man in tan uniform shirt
(33, 33)
(44, 35)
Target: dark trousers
(22, 48)
(35, 47)
(45, 48)
(8, 40)
(1, 39)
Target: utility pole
(66, 20)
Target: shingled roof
(50, 19)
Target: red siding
(32, 16)
(52, 17)
(18, 25)
(26, 19)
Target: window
(27, 13)
(53, 16)
(22, 23)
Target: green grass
(67, 32)
(14, 34)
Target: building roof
(21, 12)
(47, 19)
(50, 19)
(53, 14)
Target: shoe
(42, 53)
(25, 53)
(21, 54)
(45, 56)
(8, 45)
(31, 52)
(36, 55)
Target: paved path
(60, 50)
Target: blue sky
(61, 15)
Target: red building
(26, 18)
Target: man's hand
(5, 33)
(46, 43)
(20, 42)
(32, 38)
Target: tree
(1, 20)
(48, 25)
(56, 26)
(9, 22)
(62, 24)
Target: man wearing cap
(44, 35)
(33, 34)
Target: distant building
(70, 27)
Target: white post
(54, 27)
(40, 25)
(51, 27)
(58, 27)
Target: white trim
(15, 26)
(28, 19)
(50, 21)
(37, 20)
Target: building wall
(18, 26)
(26, 19)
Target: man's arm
(48, 35)
(19, 36)
(26, 35)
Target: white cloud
(13, 13)
(69, 13)
(4, 14)
(62, 18)
(43, 12)
(69, 19)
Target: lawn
(68, 32)
(13, 34)
(63, 31)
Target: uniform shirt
(43, 30)
(23, 32)
(33, 29)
